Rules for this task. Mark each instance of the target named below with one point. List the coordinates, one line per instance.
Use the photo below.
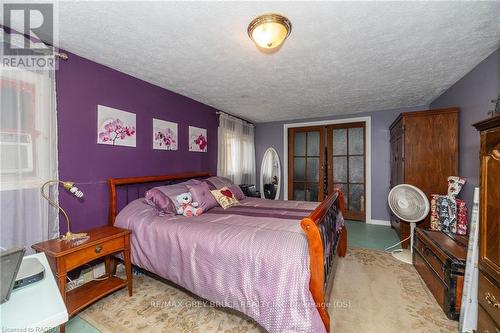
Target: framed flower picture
(164, 135)
(197, 139)
(115, 127)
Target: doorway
(347, 165)
(328, 157)
(306, 155)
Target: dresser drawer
(85, 255)
(485, 324)
(489, 297)
(435, 285)
(428, 253)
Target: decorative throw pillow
(225, 197)
(238, 193)
(201, 194)
(161, 202)
(218, 182)
(191, 182)
(164, 197)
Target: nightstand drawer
(85, 255)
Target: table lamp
(70, 187)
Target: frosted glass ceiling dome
(269, 31)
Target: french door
(346, 166)
(306, 154)
(337, 149)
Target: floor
(370, 236)
(358, 235)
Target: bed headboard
(124, 190)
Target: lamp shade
(269, 31)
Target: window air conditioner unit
(16, 153)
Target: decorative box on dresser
(489, 226)
(424, 153)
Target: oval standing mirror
(270, 175)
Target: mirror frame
(277, 196)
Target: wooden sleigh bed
(325, 240)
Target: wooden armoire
(489, 227)
(424, 153)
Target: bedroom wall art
(198, 139)
(81, 86)
(115, 127)
(164, 135)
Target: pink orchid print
(201, 142)
(166, 138)
(114, 130)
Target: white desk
(35, 308)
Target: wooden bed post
(112, 202)
(311, 226)
(316, 284)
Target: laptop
(10, 261)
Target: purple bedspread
(253, 258)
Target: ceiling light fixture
(269, 31)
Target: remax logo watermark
(28, 33)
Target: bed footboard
(326, 236)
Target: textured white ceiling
(341, 57)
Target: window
(27, 128)
(28, 152)
(236, 159)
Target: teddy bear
(186, 205)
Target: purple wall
(271, 135)
(81, 86)
(472, 94)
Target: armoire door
(306, 156)
(397, 155)
(346, 166)
(489, 226)
(489, 245)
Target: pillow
(238, 193)
(225, 197)
(218, 182)
(202, 195)
(191, 182)
(165, 197)
(161, 201)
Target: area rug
(372, 293)
(159, 307)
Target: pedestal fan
(411, 205)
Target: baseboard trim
(380, 222)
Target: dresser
(489, 226)
(424, 153)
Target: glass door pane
(346, 165)
(306, 155)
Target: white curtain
(236, 158)
(28, 144)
